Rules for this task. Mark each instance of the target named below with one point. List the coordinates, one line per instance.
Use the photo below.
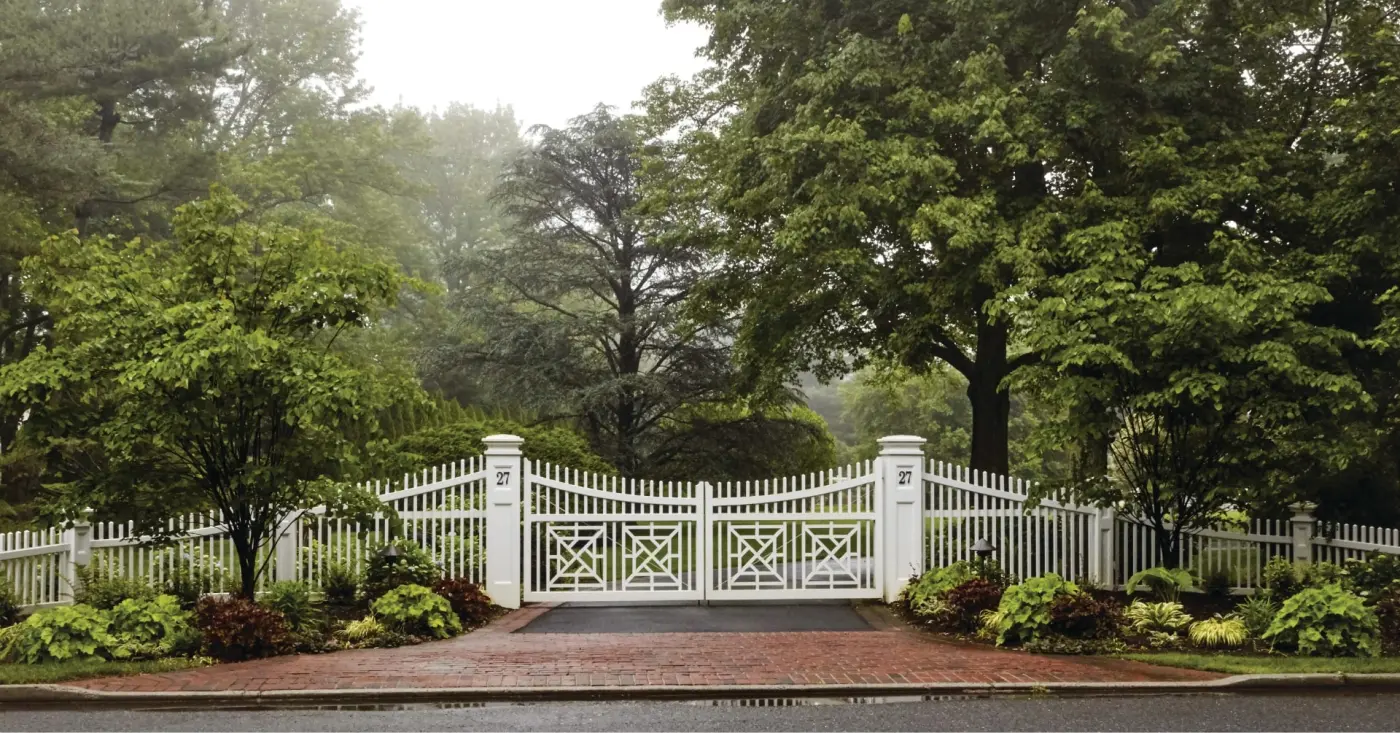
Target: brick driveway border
(495, 658)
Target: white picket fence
(854, 532)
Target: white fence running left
(532, 531)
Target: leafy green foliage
(99, 590)
(222, 368)
(1325, 621)
(1372, 577)
(930, 587)
(1165, 583)
(1219, 632)
(1281, 578)
(340, 585)
(292, 599)
(414, 609)
(1025, 609)
(235, 629)
(1319, 574)
(63, 633)
(9, 604)
(160, 620)
(1257, 612)
(1217, 584)
(413, 566)
(472, 606)
(1167, 617)
(363, 631)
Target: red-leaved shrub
(967, 602)
(1082, 616)
(471, 605)
(235, 629)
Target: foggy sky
(550, 59)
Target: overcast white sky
(549, 59)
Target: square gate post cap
(1302, 510)
(503, 445)
(894, 445)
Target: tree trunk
(991, 402)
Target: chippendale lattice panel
(575, 558)
(832, 556)
(755, 557)
(654, 557)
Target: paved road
(1165, 713)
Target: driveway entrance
(658, 619)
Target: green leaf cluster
(414, 609)
(1165, 617)
(1219, 631)
(1165, 583)
(160, 619)
(1326, 621)
(1025, 609)
(413, 566)
(63, 633)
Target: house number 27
(503, 478)
(905, 477)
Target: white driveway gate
(588, 537)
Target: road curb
(58, 695)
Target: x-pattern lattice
(831, 555)
(759, 551)
(573, 552)
(651, 552)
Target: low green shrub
(60, 634)
(9, 604)
(1216, 584)
(1319, 574)
(414, 609)
(94, 588)
(1388, 616)
(160, 622)
(931, 586)
(1164, 583)
(1256, 612)
(472, 606)
(369, 632)
(340, 585)
(292, 599)
(1219, 632)
(1060, 644)
(1326, 621)
(413, 566)
(1024, 611)
(1280, 578)
(236, 628)
(1372, 577)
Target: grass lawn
(29, 674)
(1234, 664)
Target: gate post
(503, 484)
(1101, 544)
(900, 473)
(1303, 525)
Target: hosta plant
(1160, 618)
(1326, 621)
(1219, 632)
(1165, 583)
(61, 634)
(414, 609)
(933, 584)
(1025, 609)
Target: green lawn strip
(31, 674)
(1236, 664)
